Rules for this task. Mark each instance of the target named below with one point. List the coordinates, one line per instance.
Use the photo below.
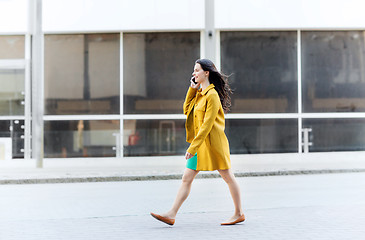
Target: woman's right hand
(188, 155)
(194, 85)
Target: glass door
(12, 108)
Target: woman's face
(199, 74)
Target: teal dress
(192, 162)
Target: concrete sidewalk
(300, 207)
(20, 171)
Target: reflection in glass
(154, 137)
(11, 139)
(333, 71)
(82, 74)
(12, 47)
(336, 134)
(11, 92)
(262, 136)
(96, 138)
(167, 137)
(157, 70)
(264, 70)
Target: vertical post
(37, 82)
(306, 142)
(218, 50)
(210, 33)
(299, 69)
(121, 96)
(86, 69)
(117, 145)
(27, 106)
(202, 44)
(86, 90)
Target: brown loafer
(166, 220)
(238, 220)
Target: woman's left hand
(194, 84)
(188, 155)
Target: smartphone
(194, 80)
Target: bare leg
(234, 188)
(183, 192)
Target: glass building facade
(113, 81)
(110, 92)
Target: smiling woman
(204, 106)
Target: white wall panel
(160, 15)
(13, 16)
(122, 15)
(290, 14)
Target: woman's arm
(190, 95)
(188, 99)
(213, 104)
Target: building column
(210, 33)
(37, 81)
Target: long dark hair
(220, 82)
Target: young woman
(209, 149)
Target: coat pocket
(199, 111)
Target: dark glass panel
(333, 71)
(157, 70)
(336, 134)
(263, 68)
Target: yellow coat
(205, 129)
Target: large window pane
(167, 137)
(12, 47)
(262, 136)
(82, 74)
(333, 71)
(336, 134)
(80, 138)
(264, 70)
(11, 139)
(11, 92)
(154, 137)
(157, 70)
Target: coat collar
(207, 89)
